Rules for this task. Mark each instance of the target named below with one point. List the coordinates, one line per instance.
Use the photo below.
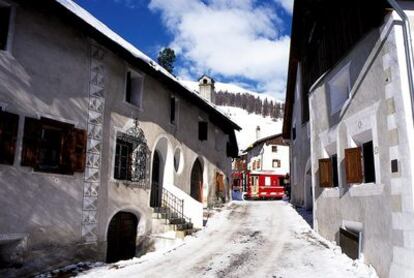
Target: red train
(263, 185)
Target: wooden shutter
(325, 172)
(353, 165)
(31, 139)
(8, 135)
(75, 150)
(220, 182)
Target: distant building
(95, 137)
(263, 164)
(349, 111)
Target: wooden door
(122, 233)
(197, 181)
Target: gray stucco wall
(300, 152)
(376, 112)
(47, 72)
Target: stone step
(164, 215)
(177, 221)
(182, 234)
(184, 226)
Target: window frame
(130, 75)
(117, 173)
(278, 163)
(202, 136)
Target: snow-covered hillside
(227, 87)
(248, 123)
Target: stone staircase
(166, 220)
(169, 224)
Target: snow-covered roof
(104, 30)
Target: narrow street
(245, 239)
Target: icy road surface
(246, 239)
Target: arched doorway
(156, 184)
(122, 233)
(197, 181)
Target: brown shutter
(325, 172)
(31, 138)
(76, 144)
(220, 182)
(8, 135)
(353, 165)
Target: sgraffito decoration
(92, 179)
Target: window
(294, 132)
(274, 149)
(359, 164)
(259, 164)
(276, 163)
(172, 110)
(8, 135)
(202, 131)
(5, 13)
(369, 165)
(134, 88)
(334, 164)
(268, 181)
(53, 146)
(123, 159)
(339, 89)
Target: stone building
(354, 78)
(95, 137)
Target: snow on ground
(246, 239)
(226, 87)
(248, 123)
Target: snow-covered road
(246, 239)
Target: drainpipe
(408, 48)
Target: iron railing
(174, 205)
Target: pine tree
(166, 59)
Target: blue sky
(245, 42)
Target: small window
(339, 89)
(172, 110)
(360, 164)
(268, 181)
(203, 131)
(276, 163)
(5, 13)
(134, 88)
(123, 159)
(53, 146)
(259, 164)
(274, 149)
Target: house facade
(269, 154)
(94, 137)
(357, 76)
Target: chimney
(206, 85)
(257, 132)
